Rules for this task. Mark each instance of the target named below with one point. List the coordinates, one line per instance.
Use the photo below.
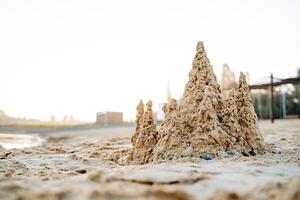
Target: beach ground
(88, 164)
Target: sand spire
(230, 122)
(201, 73)
(194, 121)
(247, 116)
(145, 140)
(138, 121)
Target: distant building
(109, 118)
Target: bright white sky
(78, 57)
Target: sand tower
(247, 116)
(145, 137)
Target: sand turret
(230, 122)
(247, 116)
(138, 121)
(146, 138)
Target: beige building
(109, 118)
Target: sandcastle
(202, 123)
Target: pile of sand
(201, 124)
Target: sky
(74, 57)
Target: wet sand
(88, 164)
(11, 141)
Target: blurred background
(75, 62)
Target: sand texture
(90, 164)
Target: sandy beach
(87, 164)
(149, 100)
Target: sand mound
(201, 124)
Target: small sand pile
(201, 124)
